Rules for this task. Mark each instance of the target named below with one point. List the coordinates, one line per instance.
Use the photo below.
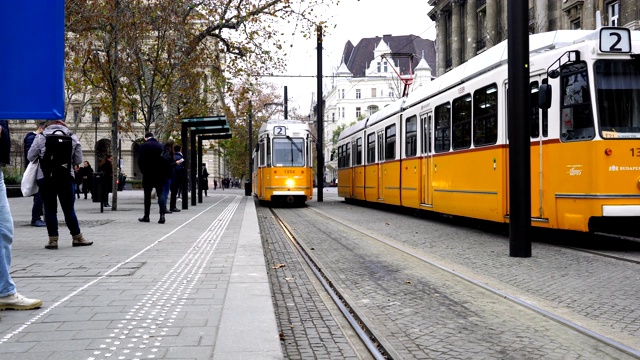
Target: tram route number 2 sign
(615, 40)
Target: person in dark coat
(38, 202)
(9, 297)
(176, 181)
(86, 174)
(204, 179)
(153, 177)
(106, 166)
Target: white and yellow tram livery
(444, 148)
(282, 162)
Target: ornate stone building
(466, 28)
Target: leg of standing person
(36, 210)
(162, 202)
(67, 201)
(147, 200)
(50, 198)
(175, 187)
(9, 297)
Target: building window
(333, 117)
(342, 93)
(358, 96)
(372, 109)
(358, 112)
(373, 92)
(481, 42)
(342, 113)
(378, 66)
(575, 24)
(385, 66)
(613, 12)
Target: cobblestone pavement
(426, 316)
(307, 328)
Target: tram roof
(359, 126)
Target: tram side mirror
(544, 96)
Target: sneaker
(38, 223)
(19, 302)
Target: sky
(354, 20)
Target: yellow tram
(444, 148)
(282, 162)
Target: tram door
(426, 195)
(539, 133)
(380, 165)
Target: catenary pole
(320, 119)
(518, 125)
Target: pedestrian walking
(168, 165)
(153, 176)
(9, 297)
(77, 180)
(204, 179)
(176, 181)
(86, 174)
(38, 204)
(106, 166)
(57, 178)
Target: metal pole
(184, 137)
(249, 177)
(320, 119)
(200, 190)
(286, 104)
(518, 124)
(194, 169)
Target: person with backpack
(36, 210)
(153, 175)
(58, 149)
(9, 297)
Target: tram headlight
(290, 183)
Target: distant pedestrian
(106, 166)
(168, 166)
(86, 174)
(176, 181)
(204, 179)
(77, 180)
(58, 185)
(38, 203)
(215, 184)
(9, 297)
(150, 162)
(122, 179)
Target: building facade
(372, 75)
(466, 28)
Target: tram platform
(193, 288)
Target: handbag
(29, 186)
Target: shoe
(168, 211)
(38, 223)
(85, 197)
(79, 240)
(144, 219)
(52, 244)
(175, 210)
(106, 205)
(161, 221)
(19, 302)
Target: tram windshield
(618, 96)
(288, 152)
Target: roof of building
(357, 58)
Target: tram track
(407, 250)
(376, 349)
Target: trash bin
(98, 186)
(247, 188)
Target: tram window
(618, 94)
(411, 147)
(443, 128)
(380, 147)
(576, 122)
(340, 157)
(461, 123)
(390, 142)
(485, 116)
(268, 155)
(371, 148)
(534, 110)
(347, 155)
(261, 154)
(358, 151)
(426, 133)
(288, 152)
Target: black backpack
(57, 154)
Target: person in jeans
(9, 297)
(59, 186)
(36, 210)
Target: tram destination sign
(615, 40)
(32, 61)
